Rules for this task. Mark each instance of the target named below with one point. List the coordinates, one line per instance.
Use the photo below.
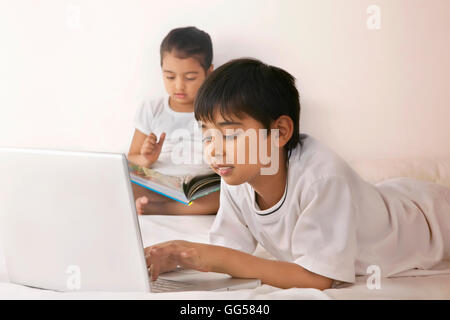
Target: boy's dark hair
(251, 87)
(189, 42)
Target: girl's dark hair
(189, 42)
(249, 86)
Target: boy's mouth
(223, 170)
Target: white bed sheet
(155, 229)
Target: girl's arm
(144, 150)
(134, 154)
(206, 257)
(148, 202)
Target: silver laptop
(68, 222)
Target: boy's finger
(148, 256)
(154, 270)
(164, 251)
(153, 260)
(150, 270)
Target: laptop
(68, 222)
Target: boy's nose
(216, 149)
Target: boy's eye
(206, 139)
(170, 78)
(191, 79)
(231, 136)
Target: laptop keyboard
(165, 285)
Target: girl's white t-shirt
(182, 149)
(333, 223)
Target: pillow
(428, 169)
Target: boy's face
(182, 77)
(239, 148)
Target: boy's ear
(211, 69)
(285, 127)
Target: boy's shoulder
(309, 162)
(312, 160)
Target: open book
(183, 188)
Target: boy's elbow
(314, 280)
(324, 284)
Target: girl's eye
(191, 79)
(206, 139)
(170, 78)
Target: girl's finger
(161, 139)
(151, 138)
(148, 151)
(147, 145)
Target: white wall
(72, 81)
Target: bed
(415, 284)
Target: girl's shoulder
(153, 106)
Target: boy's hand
(151, 149)
(166, 256)
(141, 202)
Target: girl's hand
(141, 202)
(151, 149)
(166, 256)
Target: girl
(186, 61)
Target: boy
(186, 61)
(315, 215)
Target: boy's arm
(276, 273)
(206, 257)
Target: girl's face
(182, 78)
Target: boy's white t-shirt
(333, 223)
(182, 148)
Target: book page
(147, 174)
(185, 171)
